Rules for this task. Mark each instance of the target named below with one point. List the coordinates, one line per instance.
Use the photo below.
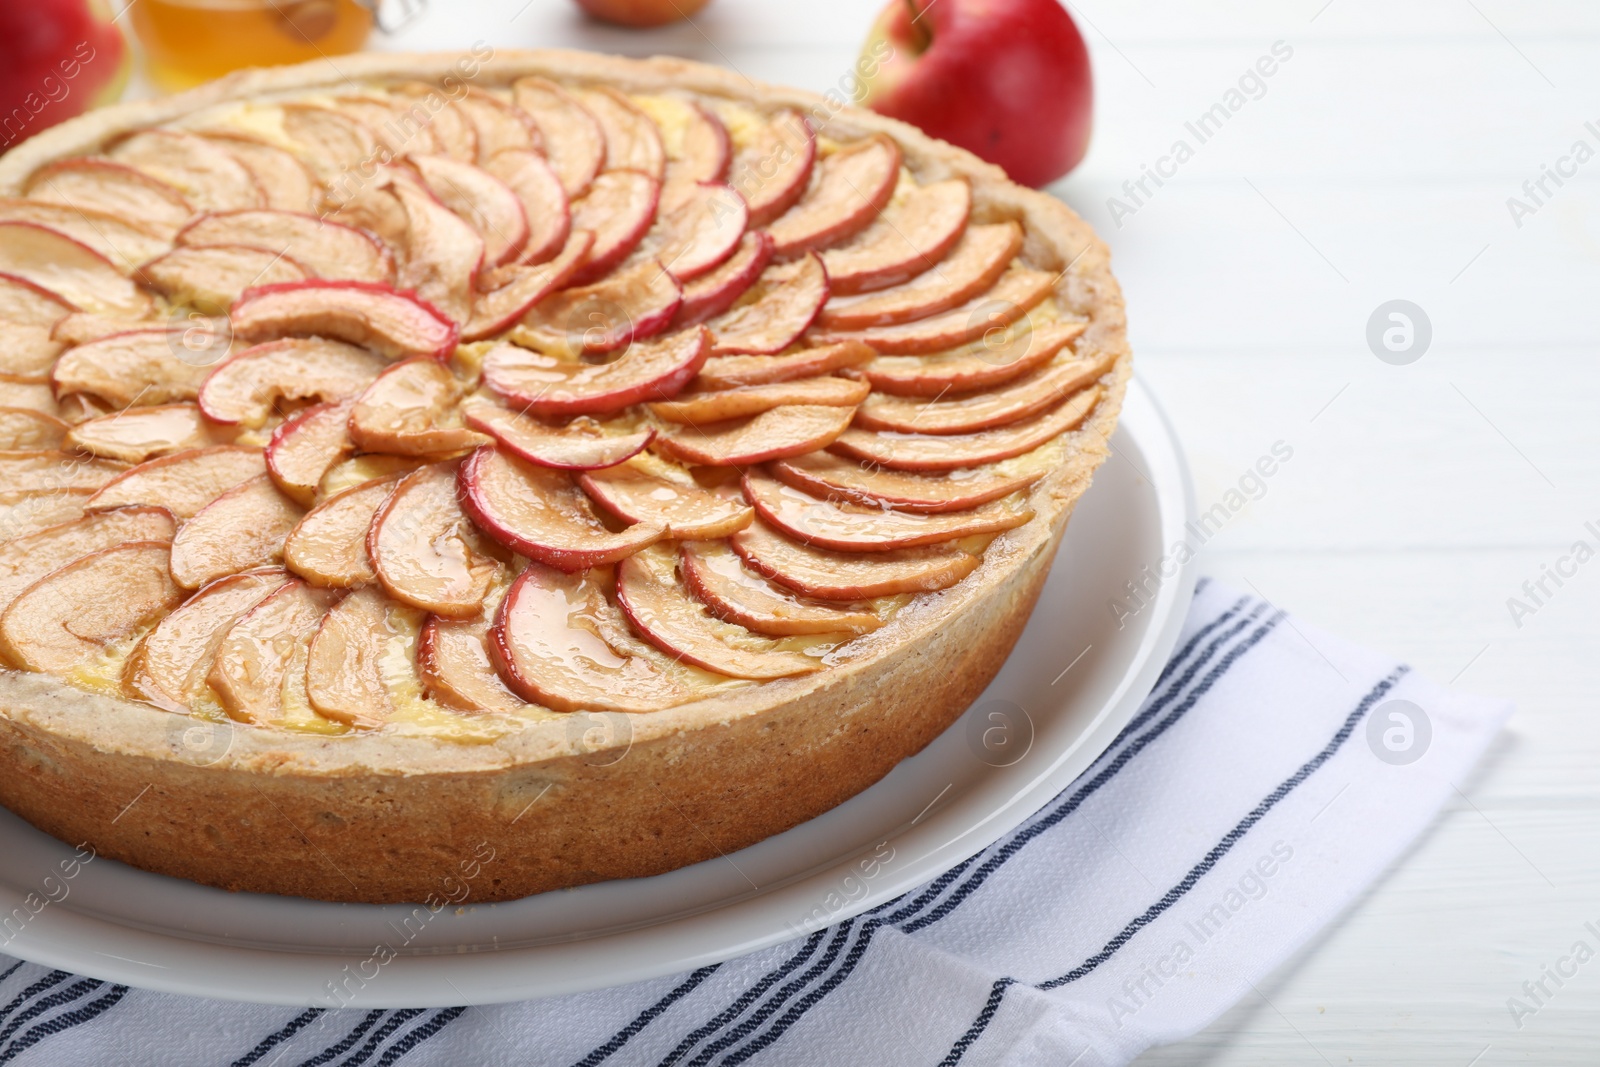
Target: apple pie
(611, 462)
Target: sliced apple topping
(287, 183)
(716, 575)
(733, 372)
(450, 126)
(1018, 291)
(397, 127)
(521, 287)
(35, 396)
(573, 139)
(23, 303)
(485, 202)
(628, 306)
(453, 660)
(715, 292)
(912, 235)
(774, 434)
(836, 478)
(22, 430)
(113, 188)
(424, 550)
(848, 527)
(538, 189)
(82, 327)
(302, 450)
(618, 209)
(971, 367)
(129, 368)
(443, 252)
(242, 529)
(26, 558)
(541, 514)
(183, 482)
(375, 208)
(324, 249)
(699, 227)
(208, 176)
(772, 166)
(344, 665)
(971, 268)
(75, 408)
(66, 618)
(675, 503)
(250, 667)
(210, 279)
(582, 444)
(632, 141)
(119, 241)
(784, 301)
(248, 388)
(696, 142)
(550, 387)
(28, 352)
(411, 410)
(335, 145)
(919, 452)
(134, 435)
(47, 470)
(697, 408)
(168, 666)
(68, 269)
(852, 186)
(1018, 400)
(829, 575)
(372, 316)
(329, 546)
(501, 126)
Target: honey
(187, 42)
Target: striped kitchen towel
(1274, 772)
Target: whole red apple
(641, 12)
(58, 58)
(1008, 80)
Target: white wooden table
(1376, 165)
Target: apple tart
(606, 460)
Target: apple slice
(835, 478)
(200, 332)
(129, 368)
(453, 660)
(912, 234)
(68, 269)
(22, 430)
(696, 142)
(249, 670)
(443, 252)
(208, 176)
(27, 558)
(303, 449)
(22, 514)
(523, 287)
(344, 665)
(35, 396)
(28, 353)
(411, 410)
(632, 140)
(248, 388)
(715, 292)
(324, 249)
(538, 189)
(183, 482)
(48, 470)
(450, 126)
(539, 513)
(1017, 292)
(395, 127)
(629, 306)
(242, 529)
(856, 528)
(26, 304)
(75, 408)
(731, 591)
(119, 241)
(573, 139)
(915, 452)
(830, 575)
(733, 372)
(699, 226)
(375, 209)
(973, 367)
(483, 201)
(777, 310)
(66, 618)
(501, 126)
(210, 279)
(1021, 399)
(851, 187)
(370, 315)
(774, 434)
(549, 387)
(423, 549)
(618, 209)
(329, 546)
(971, 268)
(134, 435)
(113, 188)
(335, 145)
(287, 183)
(582, 444)
(772, 167)
(717, 405)
(168, 666)
(686, 511)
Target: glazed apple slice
(329, 546)
(500, 125)
(836, 478)
(851, 187)
(917, 452)
(580, 445)
(677, 505)
(334, 144)
(134, 435)
(22, 430)
(546, 642)
(129, 368)
(1018, 400)
(370, 315)
(715, 292)
(242, 529)
(1019, 290)
(119, 241)
(344, 665)
(699, 227)
(443, 252)
(114, 188)
(183, 482)
(250, 666)
(618, 209)
(733, 372)
(696, 142)
(22, 514)
(47, 470)
(26, 304)
(523, 287)
(973, 367)
(912, 234)
(303, 449)
(856, 528)
(168, 666)
(208, 176)
(287, 183)
(539, 513)
(631, 305)
(423, 549)
(774, 434)
(772, 167)
(538, 189)
(68, 269)
(29, 353)
(717, 405)
(453, 660)
(784, 301)
(411, 410)
(573, 140)
(66, 618)
(27, 558)
(323, 248)
(971, 268)
(731, 591)
(210, 279)
(485, 202)
(247, 388)
(552, 388)
(632, 141)
(830, 575)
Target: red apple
(58, 58)
(1005, 79)
(641, 12)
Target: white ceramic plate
(1075, 678)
